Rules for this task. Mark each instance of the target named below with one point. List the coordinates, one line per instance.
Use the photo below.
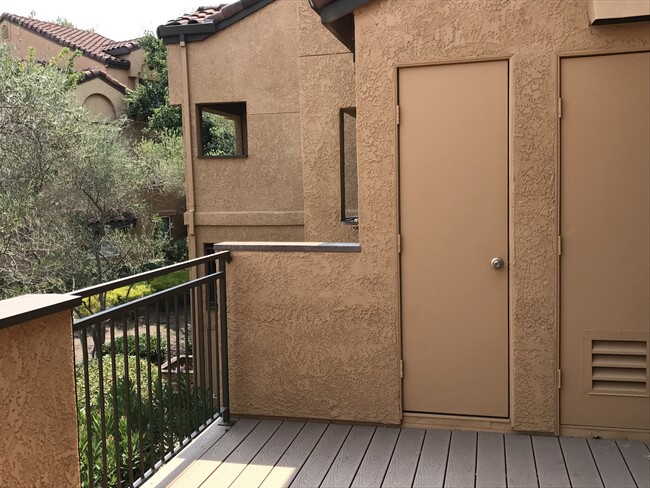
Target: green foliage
(64, 22)
(166, 117)
(176, 251)
(162, 427)
(67, 186)
(163, 282)
(157, 351)
(217, 135)
(152, 92)
(112, 298)
(93, 304)
(162, 160)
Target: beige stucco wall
(252, 61)
(532, 34)
(312, 335)
(295, 77)
(317, 335)
(101, 99)
(38, 417)
(326, 86)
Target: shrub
(157, 351)
(163, 282)
(115, 297)
(162, 428)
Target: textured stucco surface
(38, 419)
(532, 34)
(312, 335)
(100, 98)
(253, 61)
(326, 86)
(294, 77)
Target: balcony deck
(274, 453)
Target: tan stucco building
(286, 185)
(110, 67)
(501, 276)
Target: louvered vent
(619, 367)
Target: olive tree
(73, 206)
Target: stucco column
(38, 415)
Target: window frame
(351, 111)
(243, 128)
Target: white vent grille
(619, 367)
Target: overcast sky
(116, 19)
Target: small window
(349, 181)
(223, 130)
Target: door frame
(499, 424)
(559, 429)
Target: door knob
(497, 263)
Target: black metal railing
(151, 373)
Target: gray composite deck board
(551, 470)
(636, 454)
(349, 458)
(610, 463)
(401, 470)
(375, 462)
(263, 462)
(184, 460)
(461, 466)
(490, 461)
(213, 457)
(315, 468)
(278, 454)
(580, 463)
(295, 456)
(433, 460)
(237, 461)
(520, 462)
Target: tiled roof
(205, 21)
(91, 73)
(213, 14)
(89, 43)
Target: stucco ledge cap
(17, 310)
(289, 246)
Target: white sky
(116, 19)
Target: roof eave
(121, 51)
(112, 83)
(171, 34)
(338, 17)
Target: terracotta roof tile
(214, 14)
(91, 44)
(91, 73)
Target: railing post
(223, 322)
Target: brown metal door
(453, 222)
(605, 227)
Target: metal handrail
(168, 406)
(146, 275)
(149, 299)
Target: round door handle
(497, 263)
